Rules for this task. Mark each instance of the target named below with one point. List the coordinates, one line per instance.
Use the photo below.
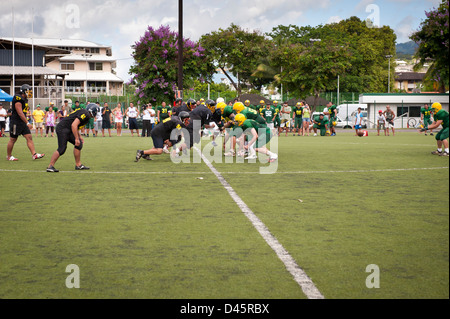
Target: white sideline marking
(250, 173)
(308, 287)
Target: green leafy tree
(156, 64)
(237, 52)
(312, 68)
(433, 41)
(368, 47)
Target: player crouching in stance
(162, 135)
(259, 135)
(441, 117)
(68, 130)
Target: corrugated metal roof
(59, 42)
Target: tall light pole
(87, 55)
(180, 47)
(389, 74)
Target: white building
(406, 106)
(89, 68)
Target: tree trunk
(316, 97)
(236, 86)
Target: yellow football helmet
(239, 119)
(221, 106)
(327, 133)
(436, 107)
(262, 102)
(238, 107)
(247, 102)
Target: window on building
(96, 66)
(414, 111)
(93, 50)
(70, 66)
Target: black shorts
(158, 142)
(2, 125)
(133, 124)
(65, 135)
(106, 124)
(18, 128)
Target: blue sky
(120, 23)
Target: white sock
(446, 150)
(439, 150)
(271, 155)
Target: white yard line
(231, 173)
(306, 284)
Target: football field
(163, 230)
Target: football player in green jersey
(228, 120)
(277, 121)
(269, 115)
(331, 111)
(249, 105)
(249, 113)
(441, 117)
(425, 117)
(297, 113)
(259, 135)
(322, 124)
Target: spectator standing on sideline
(50, 121)
(358, 121)
(381, 122)
(3, 115)
(285, 117)
(106, 119)
(390, 116)
(146, 120)
(118, 118)
(306, 119)
(132, 113)
(98, 120)
(63, 112)
(38, 117)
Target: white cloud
(120, 23)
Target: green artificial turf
(154, 229)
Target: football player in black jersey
(18, 123)
(168, 132)
(68, 130)
(200, 117)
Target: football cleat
(444, 154)
(81, 167)
(139, 154)
(37, 156)
(52, 169)
(11, 158)
(147, 157)
(436, 152)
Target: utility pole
(180, 47)
(389, 75)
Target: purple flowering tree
(433, 41)
(154, 72)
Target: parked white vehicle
(346, 115)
